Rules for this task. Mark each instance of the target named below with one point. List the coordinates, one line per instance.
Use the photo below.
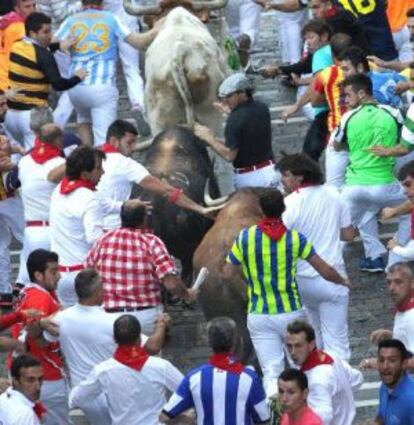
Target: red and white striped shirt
(131, 264)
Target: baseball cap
(234, 83)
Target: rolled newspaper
(201, 277)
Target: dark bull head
(201, 9)
(179, 157)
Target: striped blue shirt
(220, 397)
(96, 49)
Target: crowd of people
(86, 310)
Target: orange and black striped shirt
(33, 70)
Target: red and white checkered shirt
(131, 264)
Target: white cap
(234, 83)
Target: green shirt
(269, 267)
(364, 127)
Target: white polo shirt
(318, 213)
(16, 409)
(404, 328)
(331, 389)
(121, 172)
(86, 336)
(75, 224)
(146, 391)
(36, 189)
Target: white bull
(184, 67)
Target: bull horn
(132, 9)
(142, 146)
(208, 201)
(210, 5)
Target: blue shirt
(96, 49)
(384, 84)
(321, 59)
(397, 405)
(220, 397)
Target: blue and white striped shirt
(220, 397)
(96, 49)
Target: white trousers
(335, 167)
(263, 177)
(290, 28)
(96, 411)
(96, 104)
(64, 107)
(363, 200)
(11, 224)
(35, 237)
(327, 308)
(66, 289)
(146, 318)
(17, 124)
(250, 19)
(130, 63)
(54, 395)
(403, 44)
(268, 334)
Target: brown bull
(217, 296)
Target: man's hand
(290, 110)
(203, 132)
(191, 296)
(264, 3)
(392, 243)
(387, 213)
(402, 87)
(136, 202)
(379, 62)
(67, 43)
(271, 71)
(222, 107)
(48, 325)
(295, 79)
(380, 335)
(163, 320)
(32, 313)
(379, 150)
(13, 93)
(371, 363)
(81, 73)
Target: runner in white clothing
(400, 280)
(37, 184)
(318, 213)
(331, 381)
(148, 378)
(122, 172)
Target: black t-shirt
(249, 130)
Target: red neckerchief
(40, 409)
(316, 358)
(42, 152)
(227, 362)
(304, 185)
(108, 148)
(331, 12)
(406, 305)
(10, 18)
(68, 186)
(133, 356)
(272, 227)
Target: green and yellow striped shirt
(269, 267)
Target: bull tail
(180, 80)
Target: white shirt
(36, 189)
(86, 336)
(134, 397)
(16, 409)
(75, 223)
(331, 392)
(319, 214)
(404, 328)
(121, 172)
